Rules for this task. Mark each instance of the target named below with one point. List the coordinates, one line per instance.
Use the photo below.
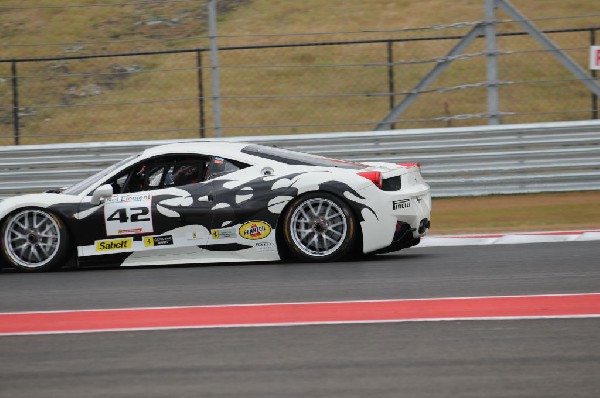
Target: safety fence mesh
(287, 88)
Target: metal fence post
(15, 107)
(214, 65)
(201, 94)
(391, 85)
(569, 63)
(433, 74)
(594, 75)
(491, 62)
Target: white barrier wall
(483, 160)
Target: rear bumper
(403, 238)
(414, 209)
(410, 205)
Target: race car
(216, 201)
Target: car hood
(42, 200)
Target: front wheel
(319, 227)
(34, 240)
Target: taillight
(373, 176)
(414, 164)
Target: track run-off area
(433, 321)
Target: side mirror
(101, 193)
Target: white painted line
(510, 238)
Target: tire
(319, 227)
(34, 240)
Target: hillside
(157, 95)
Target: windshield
(85, 184)
(298, 158)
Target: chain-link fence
(288, 88)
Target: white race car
(212, 201)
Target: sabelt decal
(113, 244)
(151, 241)
(255, 230)
(128, 214)
(401, 204)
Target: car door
(241, 219)
(157, 204)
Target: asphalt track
(503, 358)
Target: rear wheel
(34, 240)
(319, 227)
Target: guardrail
(562, 156)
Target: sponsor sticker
(129, 198)
(401, 204)
(264, 246)
(128, 214)
(223, 233)
(113, 244)
(151, 241)
(193, 235)
(595, 57)
(255, 230)
(129, 231)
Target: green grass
(511, 213)
(243, 18)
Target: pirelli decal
(401, 204)
(114, 244)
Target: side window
(172, 171)
(119, 182)
(186, 172)
(154, 176)
(129, 180)
(136, 180)
(219, 167)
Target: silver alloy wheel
(32, 238)
(318, 227)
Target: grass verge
(274, 91)
(513, 213)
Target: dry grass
(512, 213)
(254, 18)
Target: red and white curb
(509, 238)
(586, 305)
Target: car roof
(213, 148)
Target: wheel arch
(61, 217)
(70, 244)
(279, 238)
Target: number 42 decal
(137, 214)
(128, 215)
